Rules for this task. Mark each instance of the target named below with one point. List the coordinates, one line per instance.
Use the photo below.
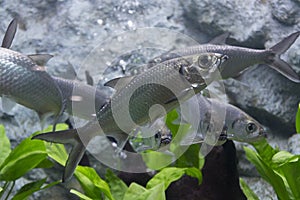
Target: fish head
(202, 67)
(164, 136)
(246, 129)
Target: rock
(215, 17)
(294, 144)
(261, 188)
(286, 13)
(220, 178)
(267, 96)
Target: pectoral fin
(7, 104)
(182, 96)
(119, 83)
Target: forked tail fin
(280, 65)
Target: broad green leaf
(265, 151)
(155, 193)
(80, 195)
(27, 155)
(290, 171)
(59, 127)
(57, 151)
(117, 187)
(29, 189)
(4, 145)
(166, 176)
(1, 189)
(298, 119)
(51, 184)
(46, 163)
(194, 172)
(156, 160)
(267, 173)
(190, 158)
(201, 160)
(172, 116)
(247, 191)
(138, 192)
(91, 183)
(134, 192)
(283, 157)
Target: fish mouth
(263, 133)
(223, 136)
(166, 140)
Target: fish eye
(251, 127)
(158, 134)
(206, 61)
(225, 57)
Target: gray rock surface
(71, 29)
(294, 144)
(262, 189)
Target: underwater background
(71, 29)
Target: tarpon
(239, 58)
(235, 124)
(25, 82)
(48, 96)
(161, 85)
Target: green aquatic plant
(298, 119)
(279, 168)
(30, 154)
(15, 163)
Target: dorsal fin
(89, 78)
(119, 83)
(40, 59)
(9, 34)
(220, 39)
(72, 72)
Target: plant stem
(11, 188)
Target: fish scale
(32, 88)
(240, 58)
(142, 91)
(233, 61)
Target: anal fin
(66, 137)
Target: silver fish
(239, 58)
(47, 98)
(143, 139)
(134, 97)
(26, 82)
(79, 96)
(236, 125)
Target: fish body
(133, 100)
(235, 124)
(79, 97)
(28, 84)
(23, 79)
(240, 58)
